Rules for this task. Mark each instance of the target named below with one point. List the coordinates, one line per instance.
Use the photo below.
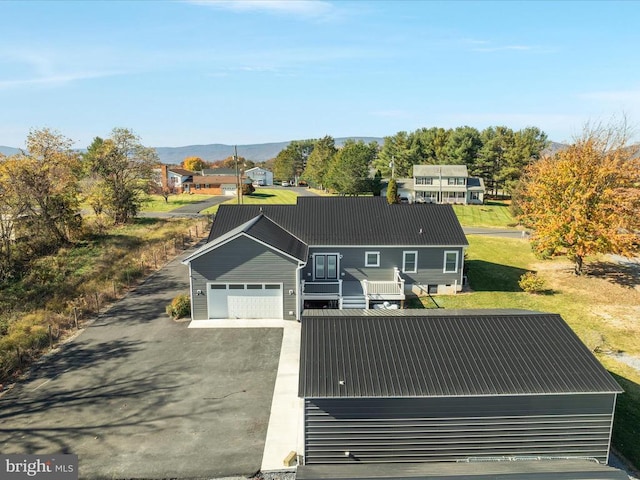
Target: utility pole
(235, 158)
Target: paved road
(137, 395)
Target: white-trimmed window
(450, 261)
(424, 181)
(371, 259)
(410, 261)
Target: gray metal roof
(342, 221)
(262, 229)
(272, 234)
(561, 469)
(446, 355)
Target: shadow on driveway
(138, 395)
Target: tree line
(497, 154)
(43, 188)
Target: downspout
(191, 292)
(298, 290)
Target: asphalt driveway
(137, 395)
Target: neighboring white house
(446, 184)
(260, 175)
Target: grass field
(156, 203)
(491, 214)
(602, 309)
(262, 196)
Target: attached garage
(245, 300)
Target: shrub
(247, 189)
(530, 282)
(179, 307)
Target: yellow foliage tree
(194, 164)
(585, 199)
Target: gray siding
(430, 264)
(449, 429)
(242, 261)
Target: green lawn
(156, 203)
(262, 196)
(491, 214)
(602, 310)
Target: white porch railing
(384, 290)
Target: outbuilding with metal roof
(423, 386)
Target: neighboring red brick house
(179, 180)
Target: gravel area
(630, 360)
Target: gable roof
(446, 356)
(211, 179)
(219, 171)
(437, 170)
(262, 229)
(181, 171)
(352, 221)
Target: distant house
(409, 387)
(259, 175)
(276, 260)
(446, 184)
(405, 190)
(212, 184)
(174, 178)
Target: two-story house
(260, 176)
(274, 261)
(446, 184)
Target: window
(325, 266)
(424, 181)
(410, 262)
(450, 262)
(371, 259)
(475, 196)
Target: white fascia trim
(414, 246)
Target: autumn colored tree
(194, 164)
(585, 199)
(230, 162)
(125, 170)
(45, 185)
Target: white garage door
(245, 300)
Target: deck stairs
(353, 301)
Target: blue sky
(240, 72)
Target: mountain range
(258, 152)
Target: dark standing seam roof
(464, 355)
(352, 221)
(272, 234)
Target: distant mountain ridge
(258, 152)
(8, 150)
